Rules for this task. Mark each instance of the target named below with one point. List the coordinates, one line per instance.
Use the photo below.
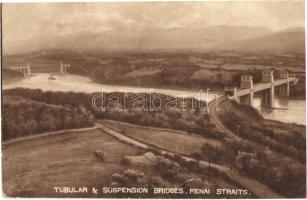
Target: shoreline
(159, 87)
(8, 81)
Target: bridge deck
(264, 86)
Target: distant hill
(8, 74)
(222, 37)
(173, 38)
(284, 42)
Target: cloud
(22, 21)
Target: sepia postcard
(162, 100)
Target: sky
(25, 21)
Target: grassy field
(34, 167)
(181, 142)
(214, 76)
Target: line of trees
(25, 118)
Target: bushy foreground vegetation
(25, 117)
(173, 171)
(248, 123)
(273, 156)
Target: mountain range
(221, 37)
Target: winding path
(255, 187)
